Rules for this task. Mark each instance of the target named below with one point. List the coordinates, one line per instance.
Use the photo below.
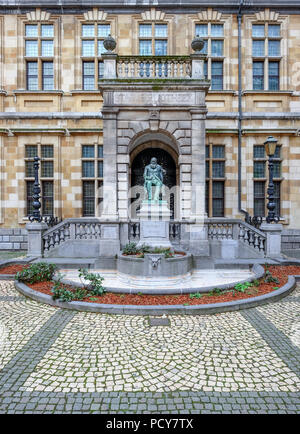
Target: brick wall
(290, 239)
(13, 239)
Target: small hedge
(37, 272)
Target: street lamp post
(270, 147)
(36, 215)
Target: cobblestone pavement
(59, 361)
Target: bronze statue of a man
(153, 175)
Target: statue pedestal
(154, 224)
(154, 210)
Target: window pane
(88, 83)
(100, 70)
(32, 83)
(88, 169)
(205, 69)
(277, 186)
(48, 79)
(88, 76)
(259, 169)
(277, 152)
(217, 30)
(31, 151)
(201, 30)
(88, 188)
(206, 151)
(161, 30)
(100, 151)
(47, 198)
(145, 48)
(101, 48)
(207, 197)
(273, 75)
(259, 151)
(258, 30)
(217, 75)
(207, 169)
(218, 169)
(88, 48)
(218, 151)
(88, 30)
(274, 48)
(47, 169)
(204, 49)
(218, 199)
(103, 30)
(258, 48)
(274, 30)
(29, 169)
(31, 30)
(29, 193)
(47, 30)
(258, 75)
(160, 48)
(216, 48)
(88, 151)
(100, 169)
(31, 48)
(145, 30)
(47, 151)
(47, 48)
(259, 199)
(277, 169)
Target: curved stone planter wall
(162, 310)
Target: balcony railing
(153, 67)
(158, 67)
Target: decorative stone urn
(197, 44)
(109, 43)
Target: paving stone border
(162, 310)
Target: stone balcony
(145, 69)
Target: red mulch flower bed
(12, 269)
(281, 272)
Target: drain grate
(159, 322)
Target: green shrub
(269, 278)
(61, 293)
(95, 286)
(37, 272)
(130, 249)
(241, 287)
(196, 295)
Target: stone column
(110, 187)
(35, 239)
(273, 233)
(199, 245)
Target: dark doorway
(165, 160)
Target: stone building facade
(52, 74)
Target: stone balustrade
(218, 230)
(158, 67)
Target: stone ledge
(161, 310)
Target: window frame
(209, 38)
(38, 57)
(276, 179)
(210, 179)
(96, 179)
(43, 179)
(153, 38)
(96, 57)
(266, 58)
